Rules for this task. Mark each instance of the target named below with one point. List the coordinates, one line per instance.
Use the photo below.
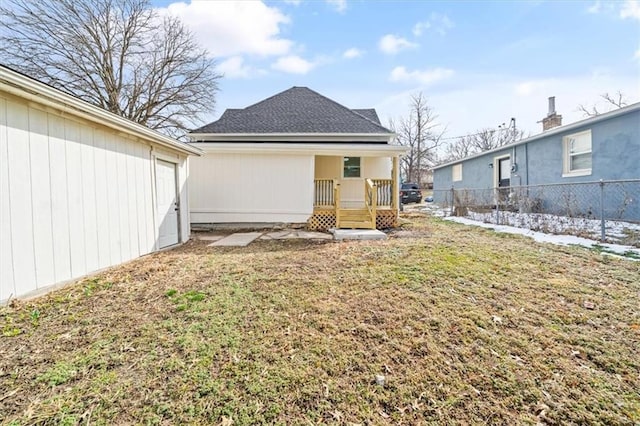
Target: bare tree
(117, 54)
(611, 102)
(459, 148)
(418, 131)
(483, 140)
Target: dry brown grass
(468, 326)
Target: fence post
(602, 227)
(453, 194)
(497, 198)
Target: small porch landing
(358, 234)
(379, 210)
(324, 219)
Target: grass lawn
(466, 325)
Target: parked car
(410, 193)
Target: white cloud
(595, 7)
(293, 64)
(637, 55)
(437, 22)
(234, 68)
(228, 28)
(631, 9)
(392, 44)
(528, 88)
(352, 53)
(339, 5)
(402, 75)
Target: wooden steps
(355, 219)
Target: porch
(379, 211)
(376, 208)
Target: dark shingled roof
(369, 113)
(296, 110)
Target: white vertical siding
(251, 188)
(20, 196)
(75, 209)
(58, 194)
(103, 231)
(89, 201)
(75, 197)
(185, 221)
(7, 282)
(42, 216)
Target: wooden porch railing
(371, 199)
(324, 193)
(385, 192)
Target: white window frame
(566, 156)
(456, 172)
(351, 177)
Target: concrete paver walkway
(289, 234)
(243, 239)
(238, 239)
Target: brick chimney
(552, 119)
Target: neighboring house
(606, 146)
(296, 157)
(81, 189)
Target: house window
(456, 171)
(577, 154)
(351, 167)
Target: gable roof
(551, 132)
(298, 110)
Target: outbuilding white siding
(251, 188)
(75, 196)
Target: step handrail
(336, 201)
(371, 200)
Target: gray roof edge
(567, 127)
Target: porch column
(395, 191)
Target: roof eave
(26, 87)
(303, 148)
(292, 137)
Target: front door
(166, 203)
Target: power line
(500, 128)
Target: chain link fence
(604, 210)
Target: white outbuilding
(81, 189)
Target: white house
(296, 157)
(81, 189)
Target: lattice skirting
(386, 219)
(322, 220)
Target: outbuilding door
(167, 203)
(504, 172)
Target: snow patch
(565, 240)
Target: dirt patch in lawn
(465, 325)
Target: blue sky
(478, 63)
